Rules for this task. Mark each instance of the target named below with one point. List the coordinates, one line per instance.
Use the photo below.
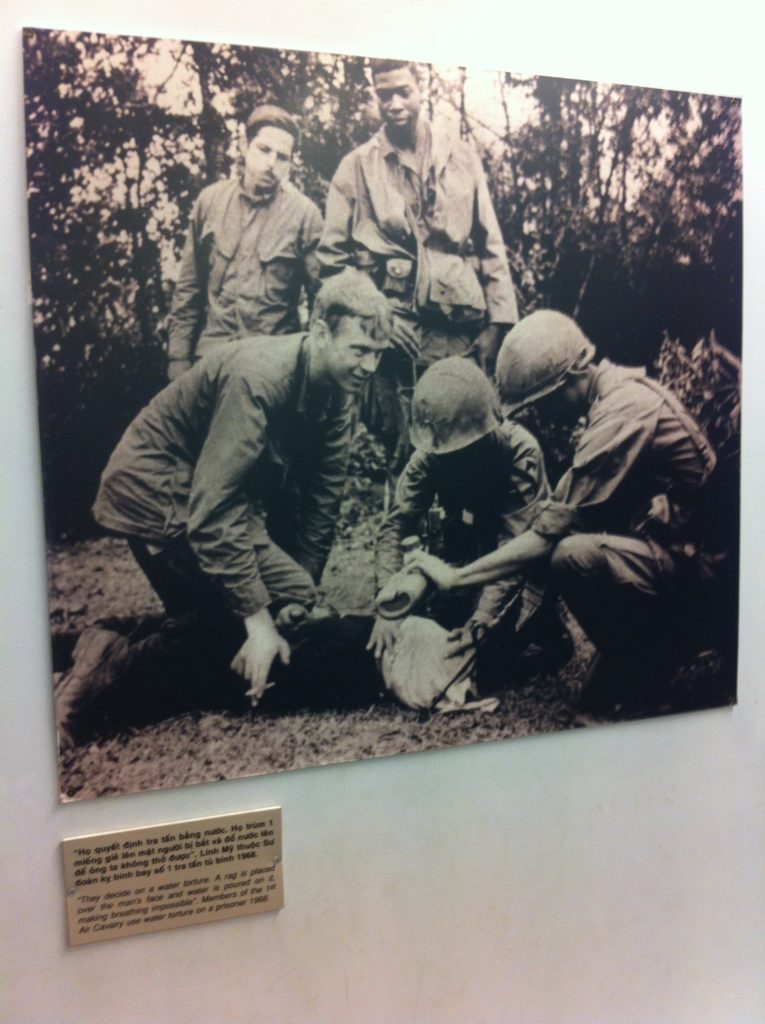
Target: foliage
(708, 383)
(621, 206)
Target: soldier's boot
(629, 685)
(99, 658)
(549, 644)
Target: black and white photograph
(384, 406)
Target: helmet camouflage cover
(454, 405)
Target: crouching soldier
(473, 482)
(618, 530)
(227, 487)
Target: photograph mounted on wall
(384, 406)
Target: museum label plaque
(165, 876)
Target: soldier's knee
(576, 556)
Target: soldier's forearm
(507, 560)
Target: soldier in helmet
(618, 530)
(485, 476)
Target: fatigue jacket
(442, 256)
(242, 268)
(639, 441)
(208, 455)
(488, 493)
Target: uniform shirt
(639, 441)
(432, 209)
(209, 453)
(488, 492)
(243, 265)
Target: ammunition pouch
(453, 288)
(398, 279)
(393, 275)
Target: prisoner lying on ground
(127, 673)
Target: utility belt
(444, 287)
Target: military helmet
(454, 404)
(537, 354)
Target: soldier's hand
(486, 347)
(256, 655)
(290, 615)
(175, 367)
(444, 576)
(404, 337)
(459, 641)
(467, 637)
(383, 636)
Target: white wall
(616, 875)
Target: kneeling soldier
(483, 477)
(618, 532)
(227, 485)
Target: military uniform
(422, 223)
(622, 517)
(486, 492)
(423, 226)
(241, 462)
(243, 265)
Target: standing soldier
(411, 207)
(622, 530)
(249, 251)
(485, 478)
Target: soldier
(485, 477)
(618, 532)
(227, 485)
(249, 250)
(411, 207)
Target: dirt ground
(98, 579)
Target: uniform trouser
(183, 587)
(190, 652)
(620, 588)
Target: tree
(621, 206)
